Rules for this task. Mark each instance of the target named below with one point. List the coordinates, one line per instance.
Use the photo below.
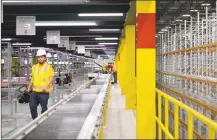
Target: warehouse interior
(165, 57)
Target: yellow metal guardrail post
(166, 112)
(212, 125)
(145, 69)
(159, 116)
(176, 123)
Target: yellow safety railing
(192, 114)
(101, 135)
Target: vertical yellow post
(122, 67)
(101, 134)
(145, 69)
(130, 83)
(119, 57)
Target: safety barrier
(35, 123)
(163, 119)
(96, 120)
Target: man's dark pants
(36, 99)
(115, 77)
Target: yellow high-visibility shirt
(104, 68)
(41, 75)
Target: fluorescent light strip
(6, 39)
(99, 14)
(13, 1)
(39, 1)
(92, 45)
(64, 23)
(194, 10)
(164, 30)
(186, 15)
(104, 30)
(22, 44)
(107, 43)
(205, 4)
(95, 48)
(111, 38)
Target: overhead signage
(53, 37)
(72, 45)
(64, 42)
(25, 25)
(81, 50)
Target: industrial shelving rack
(187, 67)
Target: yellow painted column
(145, 69)
(124, 63)
(130, 67)
(119, 73)
(122, 66)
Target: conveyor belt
(67, 121)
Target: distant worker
(113, 70)
(109, 69)
(104, 69)
(41, 83)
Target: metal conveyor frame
(32, 125)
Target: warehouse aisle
(121, 123)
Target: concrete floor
(121, 123)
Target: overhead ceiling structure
(92, 23)
(168, 11)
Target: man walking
(114, 71)
(41, 83)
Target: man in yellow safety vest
(41, 83)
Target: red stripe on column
(146, 30)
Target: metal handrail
(94, 118)
(212, 125)
(32, 125)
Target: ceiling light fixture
(65, 23)
(111, 38)
(160, 32)
(79, 36)
(205, 4)
(6, 39)
(13, 1)
(95, 48)
(22, 44)
(107, 43)
(164, 30)
(92, 45)
(103, 30)
(44, 1)
(179, 20)
(99, 14)
(194, 10)
(187, 15)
